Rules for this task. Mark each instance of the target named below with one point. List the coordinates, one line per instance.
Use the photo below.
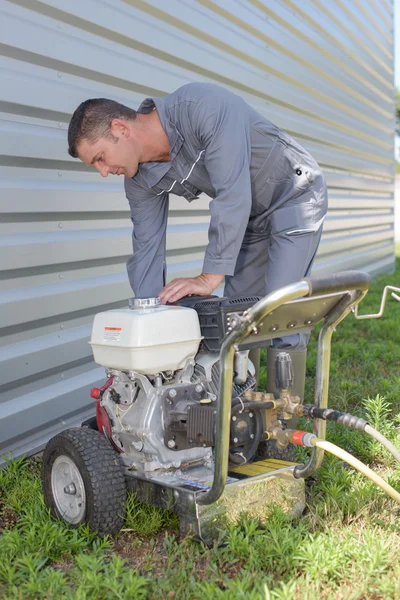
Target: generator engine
(158, 405)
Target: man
(268, 194)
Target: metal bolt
(172, 393)
(291, 325)
(70, 489)
(274, 327)
(308, 322)
(252, 436)
(255, 330)
(213, 397)
(234, 418)
(199, 388)
(235, 440)
(251, 415)
(171, 444)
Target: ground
(346, 546)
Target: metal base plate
(253, 489)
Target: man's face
(116, 156)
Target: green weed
(147, 520)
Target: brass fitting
(289, 406)
(282, 436)
(258, 397)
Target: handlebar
(338, 282)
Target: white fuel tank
(146, 338)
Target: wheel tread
(105, 501)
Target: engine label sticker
(112, 334)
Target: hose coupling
(284, 437)
(303, 438)
(328, 414)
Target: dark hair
(92, 120)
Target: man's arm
(149, 214)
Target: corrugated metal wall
(321, 69)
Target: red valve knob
(95, 393)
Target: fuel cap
(144, 302)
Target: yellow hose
(357, 464)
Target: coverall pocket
(294, 219)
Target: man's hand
(203, 285)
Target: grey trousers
(283, 252)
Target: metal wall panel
(320, 69)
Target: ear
(119, 128)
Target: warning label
(112, 334)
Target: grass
(345, 547)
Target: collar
(152, 172)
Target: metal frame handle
(244, 326)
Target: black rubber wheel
(83, 480)
(270, 450)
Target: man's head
(102, 133)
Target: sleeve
(220, 122)
(149, 214)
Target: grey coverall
(269, 196)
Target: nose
(103, 170)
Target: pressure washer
(179, 419)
